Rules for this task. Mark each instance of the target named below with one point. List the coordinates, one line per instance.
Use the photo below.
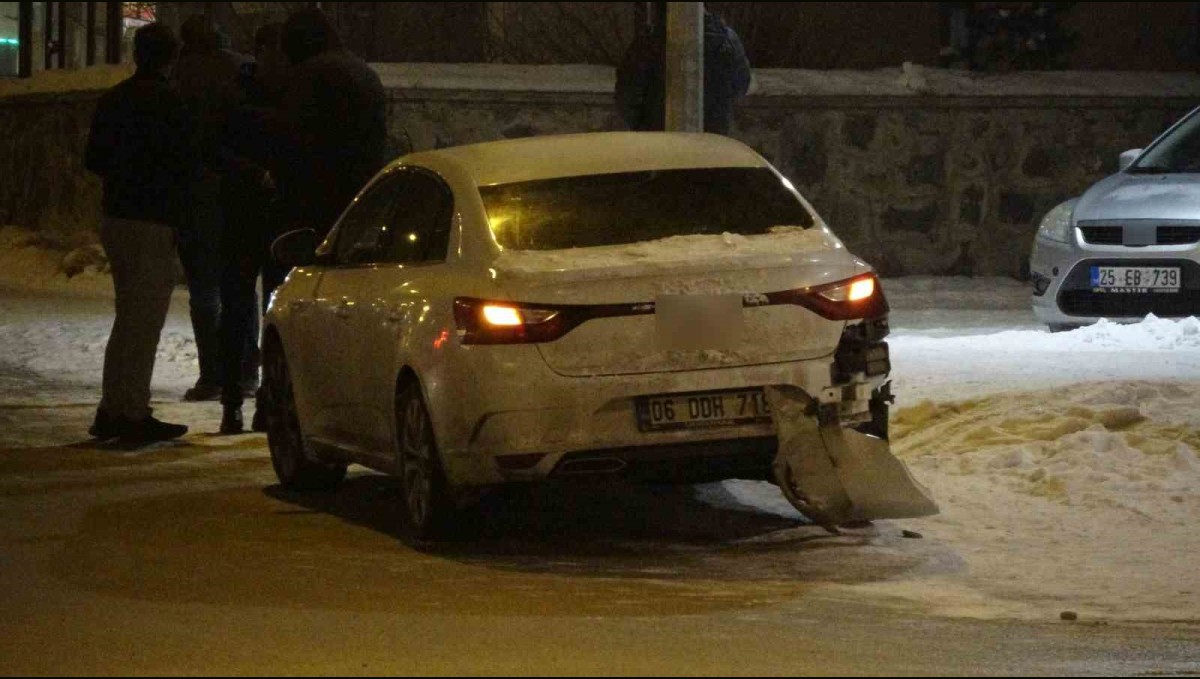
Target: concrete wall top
(918, 83)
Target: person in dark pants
(139, 144)
(251, 220)
(640, 79)
(325, 141)
(206, 76)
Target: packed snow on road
(1065, 465)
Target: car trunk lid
(684, 303)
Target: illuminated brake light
(502, 316)
(850, 291)
(861, 289)
(859, 297)
(487, 322)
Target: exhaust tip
(595, 465)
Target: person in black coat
(334, 123)
(140, 144)
(641, 82)
(206, 76)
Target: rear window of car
(631, 207)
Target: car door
(396, 300)
(357, 251)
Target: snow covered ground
(1065, 464)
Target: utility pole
(113, 28)
(25, 39)
(685, 67)
(90, 23)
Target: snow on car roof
(574, 155)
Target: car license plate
(1135, 279)
(702, 409)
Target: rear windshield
(630, 207)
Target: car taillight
(488, 322)
(482, 321)
(851, 299)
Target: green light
(9, 41)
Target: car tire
(1063, 327)
(428, 501)
(289, 455)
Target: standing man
(641, 80)
(139, 145)
(334, 119)
(207, 79)
(251, 224)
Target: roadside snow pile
(1150, 334)
(1084, 498)
(90, 78)
(1090, 446)
(29, 261)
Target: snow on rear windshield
(631, 207)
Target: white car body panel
(350, 332)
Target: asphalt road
(188, 559)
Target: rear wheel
(428, 504)
(293, 467)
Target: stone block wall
(43, 184)
(916, 185)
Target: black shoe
(105, 426)
(203, 391)
(231, 420)
(150, 430)
(259, 422)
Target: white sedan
(591, 305)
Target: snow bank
(1084, 498)
(90, 78)
(30, 262)
(1081, 499)
(1151, 334)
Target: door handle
(300, 305)
(343, 308)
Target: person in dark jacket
(206, 76)
(251, 222)
(139, 144)
(334, 114)
(641, 82)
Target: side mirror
(295, 248)
(1126, 159)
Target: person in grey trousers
(139, 145)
